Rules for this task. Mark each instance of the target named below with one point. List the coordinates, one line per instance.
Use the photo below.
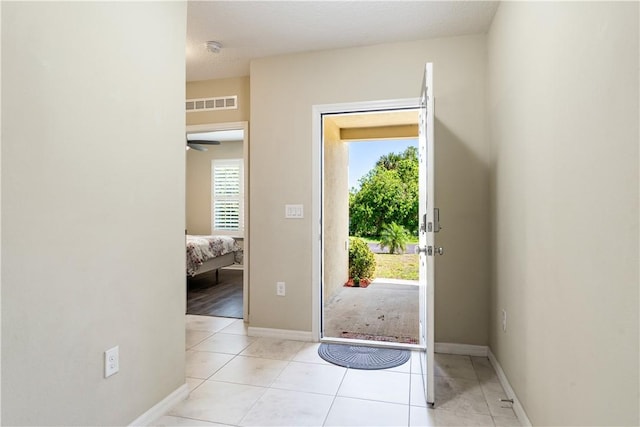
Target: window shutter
(227, 196)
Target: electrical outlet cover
(111, 361)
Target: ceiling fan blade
(196, 147)
(202, 142)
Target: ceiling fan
(198, 144)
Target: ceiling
(375, 119)
(256, 29)
(375, 125)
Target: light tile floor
(238, 380)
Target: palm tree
(394, 237)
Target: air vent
(210, 104)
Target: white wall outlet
(111, 361)
(504, 321)
(293, 211)
(280, 289)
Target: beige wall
(198, 192)
(220, 87)
(282, 160)
(563, 81)
(336, 209)
(92, 209)
(198, 187)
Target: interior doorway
(387, 310)
(217, 212)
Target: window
(227, 197)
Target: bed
(207, 253)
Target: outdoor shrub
(362, 262)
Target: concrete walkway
(386, 310)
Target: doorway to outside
(370, 216)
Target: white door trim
(316, 196)
(210, 127)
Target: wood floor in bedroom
(207, 298)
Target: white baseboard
(517, 406)
(162, 407)
(462, 349)
(281, 334)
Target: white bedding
(203, 248)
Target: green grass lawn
(403, 266)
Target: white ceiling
(255, 29)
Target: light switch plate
(293, 211)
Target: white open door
(428, 227)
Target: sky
(364, 155)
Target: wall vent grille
(210, 104)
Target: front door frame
(316, 190)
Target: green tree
(388, 193)
(394, 237)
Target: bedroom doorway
(217, 205)
(387, 311)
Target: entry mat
(363, 357)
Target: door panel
(426, 246)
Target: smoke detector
(213, 46)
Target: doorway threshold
(371, 343)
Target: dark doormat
(363, 357)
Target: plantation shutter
(227, 212)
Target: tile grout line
(257, 400)
(486, 400)
(410, 393)
(270, 386)
(486, 397)
(335, 396)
